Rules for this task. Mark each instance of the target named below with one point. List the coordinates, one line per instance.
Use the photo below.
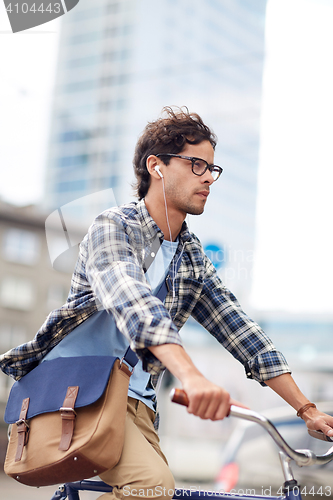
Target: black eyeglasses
(199, 166)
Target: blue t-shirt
(99, 335)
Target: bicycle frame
(71, 492)
(291, 489)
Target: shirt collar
(149, 226)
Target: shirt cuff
(265, 366)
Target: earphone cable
(181, 253)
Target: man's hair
(168, 134)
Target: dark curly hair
(167, 135)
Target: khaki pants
(142, 471)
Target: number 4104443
(319, 491)
(34, 8)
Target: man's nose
(207, 177)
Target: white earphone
(157, 169)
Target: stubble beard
(182, 204)
(195, 211)
(191, 208)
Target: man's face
(185, 191)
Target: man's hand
(206, 400)
(318, 421)
(285, 386)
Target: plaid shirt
(109, 274)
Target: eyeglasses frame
(192, 159)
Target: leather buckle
(22, 421)
(169, 283)
(124, 366)
(23, 428)
(64, 408)
(67, 413)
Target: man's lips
(203, 194)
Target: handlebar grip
(319, 435)
(179, 396)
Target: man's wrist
(304, 409)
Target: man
(174, 166)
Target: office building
(29, 286)
(120, 62)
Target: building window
(112, 181)
(73, 161)
(21, 246)
(56, 296)
(80, 86)
(120, 55)
(110, 156)
(12, 336)
(83, 62)
(120, 79)
(69, 186)
(17, 293)
(84, 38)
(73, 135)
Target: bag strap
(167, 284)
(68, 418)
(22, 429)
(130, 357)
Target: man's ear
(151, 163)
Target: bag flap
(46, 385)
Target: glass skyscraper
(120, 62)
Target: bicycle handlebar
(301, 457)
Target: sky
(27, 72)
(293, 264)
(293, 270)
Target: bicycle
(291, 490)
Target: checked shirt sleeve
(220, 313)
(114, 270)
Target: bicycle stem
(285, 464)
